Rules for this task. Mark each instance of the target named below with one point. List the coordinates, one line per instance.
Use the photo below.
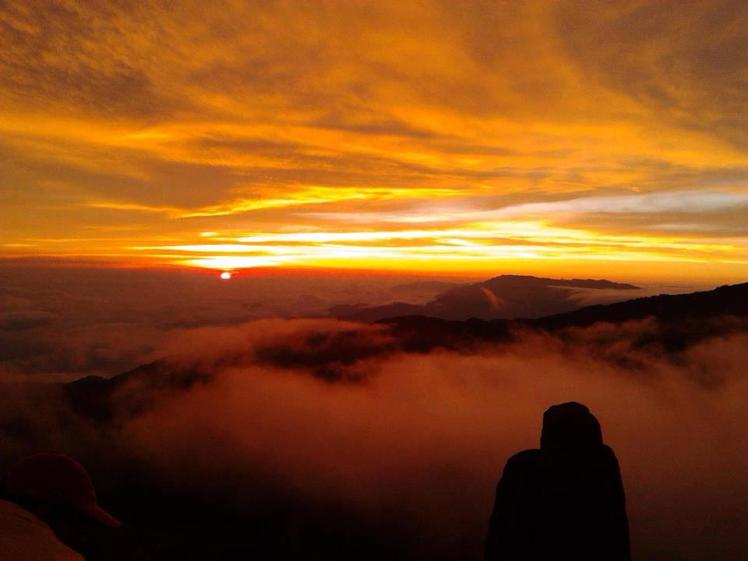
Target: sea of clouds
(330, 412)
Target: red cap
(56, 477)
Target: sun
(226, 275)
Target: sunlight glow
(411, 136)
(480, 243)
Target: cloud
(168, 122)
(447, 421)
(76, 321)
(81, 320)
(413, 442)
(676, 58)
(27, 319)
(663, 204)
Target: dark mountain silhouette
(729, 300)
(674, 323)
(129, 394)
(369, 314)
(502, 297)
(680, 320)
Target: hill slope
(502, 297)
(681, 319)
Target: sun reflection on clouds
(481, 243)
(232, 262)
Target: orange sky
(603, 139)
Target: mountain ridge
(682, 319)
(500, 297)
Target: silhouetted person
(58, 500)
(564, 501)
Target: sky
(482, 137)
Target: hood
(570, 426)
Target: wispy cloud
(160, 124)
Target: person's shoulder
(523, 458)
(609, 455)
(519, 466)
(24, 537)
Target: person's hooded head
(570, 426)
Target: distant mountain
(375, 313)
(675, 322)
(680, 320)
(425, 287)
(502, 297)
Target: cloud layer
(75, 321)
(410, 445)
